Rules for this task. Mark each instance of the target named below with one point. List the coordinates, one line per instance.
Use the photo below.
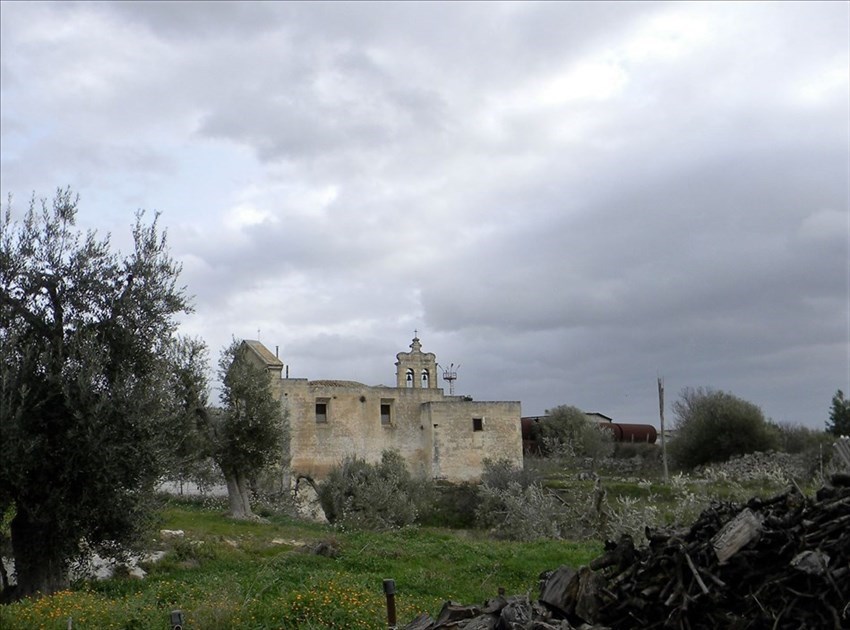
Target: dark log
(587, 595)
(621, 554)
(516, 615)
(736, 534)
(422, 622)
(481, 622)
(453, 612)
(555, 591)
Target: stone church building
(440, 436)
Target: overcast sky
(567, 200)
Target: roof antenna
(450, 375)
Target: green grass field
(229, 574)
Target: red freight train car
(631, 432)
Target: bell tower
(416, 369)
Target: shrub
(512, 504)
(360, 495)
(566, 430)
(795, 438)
(631, 450)
(712, 426)
(631, 516)
(519, 513)
(454, 506)
(499, 474)
(457, 505)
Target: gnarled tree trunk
(40, 567)
(238, 495)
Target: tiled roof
(261, 351)
(337, 383)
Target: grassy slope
(226, 574)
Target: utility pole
(663, 438)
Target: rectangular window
(386, 412)
(478, 424)
(321, 410)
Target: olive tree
(189, 455)
(87, 387)
(249, 431)
(712, 426)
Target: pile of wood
(783, 562)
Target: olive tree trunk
(238, 495)
(40, 567)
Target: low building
(439, 436)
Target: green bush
(631, 450)
(567, 431)
(512, 504)
(712, 426)
(517, 513)
(501, 473)
(795, 438)
(360, 495)
(193, 550)
(454, 506)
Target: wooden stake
(663, 438)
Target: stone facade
(443, 437)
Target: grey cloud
(280, 113)
(703, 274)
(711, 236)
(183, 21)
(693, 222)
(349, 104)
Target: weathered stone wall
(434, 433)
(354, 424)
(464, 433)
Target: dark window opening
(321, 412)
(386, 417)
(478, 424)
